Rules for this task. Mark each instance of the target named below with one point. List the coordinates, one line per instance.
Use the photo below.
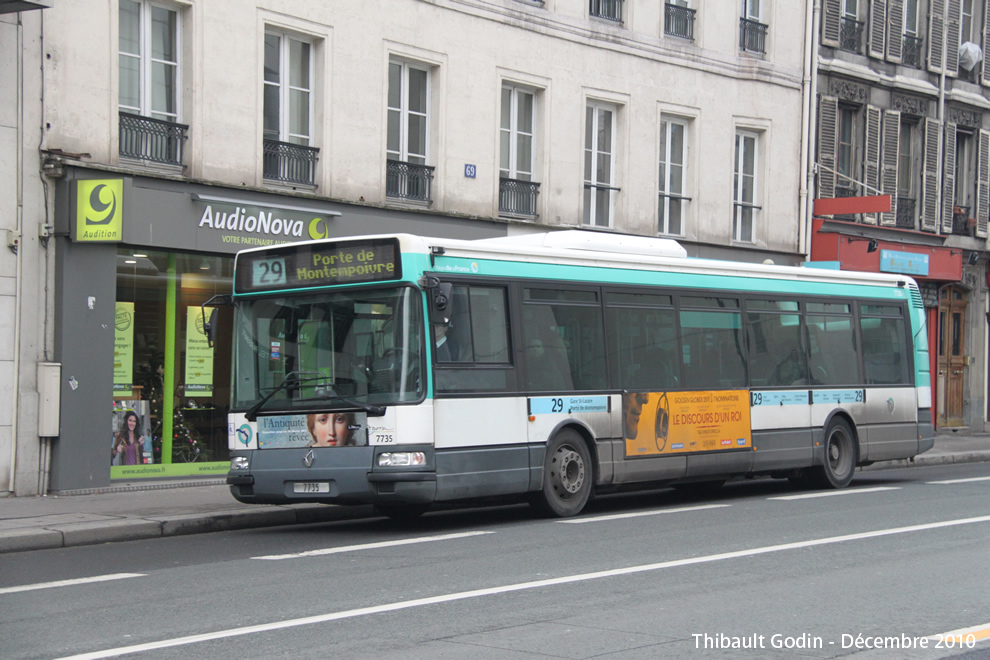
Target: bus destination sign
(324, 264)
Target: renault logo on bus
(309, 458)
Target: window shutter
(895, 30)
(936, 29)
(986, 45)
(929, 177)
(952, 37)
(949, 178)
(891, 147)
(872, 165)
(983, 185)
(877, 27)
(831, 12)
(827, 135)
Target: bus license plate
(311, 487)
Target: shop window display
(169, 384)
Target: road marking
(833, 493)
(69, 583)
(521, 586)
(370, 546)
(960, 481)
(617, 516)
(966, 635)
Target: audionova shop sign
(188, 220)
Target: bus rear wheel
(567, 476)
(839, 461)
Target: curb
(936, 459)
(138, 529)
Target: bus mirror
(210, 328)
(440, 302)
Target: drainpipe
(18, 275)
(809, 124)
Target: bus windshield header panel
(318, 264)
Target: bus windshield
(329, 350)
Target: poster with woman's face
(131, 434)
(322, 429)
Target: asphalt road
(900, 555)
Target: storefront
(953, 283)
(143, 395)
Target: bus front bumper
(335, 475)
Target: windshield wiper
(328, 394)
(291, 380)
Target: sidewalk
(133, 511)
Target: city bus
(405, 371)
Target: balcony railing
(906, 218)
(408, 181)
(960, 221)
(610, 10)
(153, 140)
(752, 36)
(517, 197)
(911, 51)
(290, 163)
(679, 21)
(851, 35)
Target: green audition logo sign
(99, 210)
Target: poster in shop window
(123, 350)
(199, 355)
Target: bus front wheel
(839, 461)
(567, 476)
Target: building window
(678, 19)
(965, 179)
(907, 179)
(599, 164)
(966, 22)
(407, 174)
(846, 153)
(288, 108)
(148, 96)
(851, 28)
(752, 33)
(744, 184)
(911, 50)
(673, 162)
(608, 9)
(517, 190)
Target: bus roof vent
(594, 241)
(916, 300)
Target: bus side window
(884, 351)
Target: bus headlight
(240, 463)
(400, 458)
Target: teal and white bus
(403, 371)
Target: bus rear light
(239, 463)
(393, 459)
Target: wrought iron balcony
(153, 140)
(290, 163)
(679, 21)
(752, 36)
(961, 221)
(610, 10)
(851, 35)
(906, 218)
(911, 51)
(517, 197)
(408, 181)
